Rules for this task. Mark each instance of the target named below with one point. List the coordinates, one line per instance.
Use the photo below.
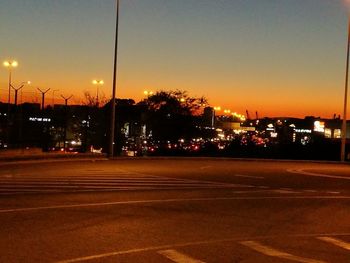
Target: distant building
(209, 117)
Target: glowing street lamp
(10, 64)
(148, 93)
(97, 83)
(218, 108)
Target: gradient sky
(279, 57)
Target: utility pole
(65, 121)
(343, 131)
(43, 98)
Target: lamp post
(43, 97)
(98, 83)
(66, 99)
(112, 120)
(19, 88)
(10, 64)
(343, 133)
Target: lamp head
(10, 64)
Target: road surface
(175, 210)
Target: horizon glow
(280, 58)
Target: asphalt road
(175, 210)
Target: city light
(97, 82)
(148, 93)
(10, 63)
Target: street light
(112, 121)
(10, 64)
(97, 83)
(148, 93)
(19, 88)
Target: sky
(277, 57)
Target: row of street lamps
(11, 64)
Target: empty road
(180, 210)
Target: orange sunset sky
(280, 58)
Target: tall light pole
(19, 88)
(10, 64)
(97, 83)
(66, 99)
(112, 121)
(343, 133)
(43, 98)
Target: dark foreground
(175, 210)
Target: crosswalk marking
(277, 253)
(336, 242)
(103, 182)
(178, 257)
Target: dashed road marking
(195, 243)
(178, 257)
(300, 171)
(249, 176)
(277, 253)
(283, 191)
(336, 242)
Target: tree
(171, 114)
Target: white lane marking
(263, 187)
(277, 253)
(310, 191)
(176, 200)
(300, 171)
(170, 246)
(332, 192)
(282, 191)
(195, 243)
(336, 242)
(249, 176)
(178, 257)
